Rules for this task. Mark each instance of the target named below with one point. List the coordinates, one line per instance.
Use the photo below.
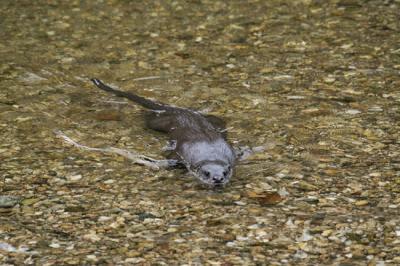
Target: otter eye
(207, 174)
(225, 173)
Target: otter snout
(218, 179)
(214, 174)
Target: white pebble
(353, 111)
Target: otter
(197, 141)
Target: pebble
(8, 201)
(361, 203)
(55, 245)
(74, 177)
(353, 111)
(295, 97)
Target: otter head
(213, 173)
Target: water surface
(316, 82)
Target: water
(315, 81)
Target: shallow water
(316, 82)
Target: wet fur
(200, 139)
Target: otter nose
(218, 179)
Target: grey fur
(199, 140)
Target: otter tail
(133, 97)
